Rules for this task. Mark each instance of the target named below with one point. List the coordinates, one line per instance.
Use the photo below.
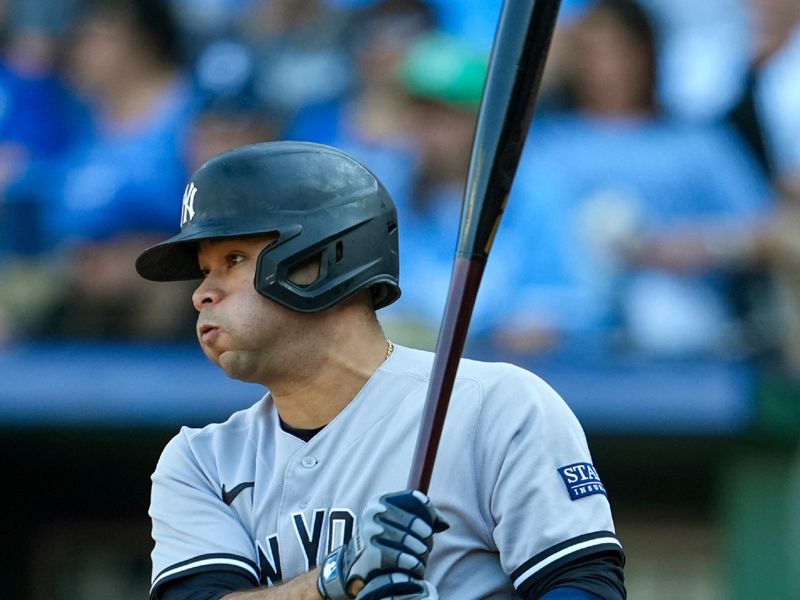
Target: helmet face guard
(322, 204)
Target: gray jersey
(513, 477)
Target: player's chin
(238, 365)
(228, 361)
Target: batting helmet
(317, 199)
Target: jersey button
(309, 462)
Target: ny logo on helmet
(187, 210)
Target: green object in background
(759, 497)
(779, 407)
(444, 69)
(761, 520)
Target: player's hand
(398, 586)
(394, 536)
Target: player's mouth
(207, 333)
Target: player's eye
(234, 258)
(204, 272)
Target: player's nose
(206, 294)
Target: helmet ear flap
(308, 275)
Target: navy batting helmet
(319, 201)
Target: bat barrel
(515, 71)
(509, 98)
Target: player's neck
(338, 373)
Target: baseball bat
(514, 72)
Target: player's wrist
(330, 584)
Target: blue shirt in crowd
(120, 178)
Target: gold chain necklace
(389, 349)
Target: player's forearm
(303, 587)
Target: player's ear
(307, 272)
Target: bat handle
(464, 284)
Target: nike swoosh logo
(228, 496)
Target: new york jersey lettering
(339, 524)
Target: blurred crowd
(656, 209)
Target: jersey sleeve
(544, 499)
(193, 529)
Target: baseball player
(301, 496)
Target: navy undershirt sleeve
(209, 585)
(570, 593)
(593, 577)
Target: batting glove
(398, 586)
(394, 535)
